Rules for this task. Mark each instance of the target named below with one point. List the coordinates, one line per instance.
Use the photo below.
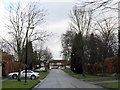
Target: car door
(22, 74)
(29, 73)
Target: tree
(107, 33)
(81, 19)
(100, 44)
(46, 57)
(29, 55)
(93, 49)
(20, 18)
(103, 42)
(35, 60)
(77, 55)
(105, 6)
(101, 6)
(66, 41)
(118, 71)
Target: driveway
(59, 79)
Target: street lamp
(26, 53)
(118, 39)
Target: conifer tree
(77, 56)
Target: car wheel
(33, 77)
(14, 76)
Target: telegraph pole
(119, 41)
(26, 56)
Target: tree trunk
(19, 76)
(83, 73)
(19, 58)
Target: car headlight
(9, 74)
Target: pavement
(59, 79)
(3, 79)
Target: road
(59, 79)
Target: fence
(10, 66)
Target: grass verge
(43, 75)
(14, 84)
(111, 85)
(88, 77)
(79, 76)
(102, 79)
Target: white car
(30, 74)
(40, 69)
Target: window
(29, 71)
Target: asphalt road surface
(59, 79)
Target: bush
(111, 65)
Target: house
(57, 63)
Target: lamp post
(26, 53)
(118, 71)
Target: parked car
(40, 69)
(30, 74)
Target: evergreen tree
(35, 60)
(93, 49)
(77, 55)
(29, 55)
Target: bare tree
(107, 32)
(66, 41)
(21, 20)
(104, 6)
(45, 55)
(99, 4)
(80, 20)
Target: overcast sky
(56, 21)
